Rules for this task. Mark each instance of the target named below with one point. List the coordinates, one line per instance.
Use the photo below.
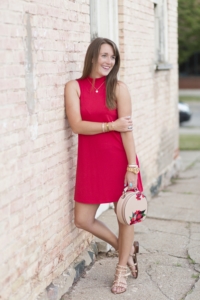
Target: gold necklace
(96, 89)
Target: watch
(134, 170)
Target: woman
(98, 108)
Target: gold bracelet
(107, 127)
(134, 170)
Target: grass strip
(189, 142)
(189, 99)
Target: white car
(184, 112)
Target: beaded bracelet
(132, 166)
(107, 127)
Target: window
(161, 35)
(104, 19)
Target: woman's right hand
(123, 124)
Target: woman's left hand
(130, 180)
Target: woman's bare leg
(85, 219)
(125, 242)
(130, 259)
(126, 236)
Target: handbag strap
(126, 189)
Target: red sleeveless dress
(102, 161)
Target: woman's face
(105, 62)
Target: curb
(62, 283)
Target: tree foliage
(189, 28)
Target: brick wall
(154, 93)
(42, 47)
(43, 44)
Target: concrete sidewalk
(169, 259)
(189, 92)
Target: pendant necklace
(96, 89)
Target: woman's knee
(82, 223)
(84, 215)
(78, 223)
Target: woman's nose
(109, 60)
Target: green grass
(177, 265)
(187, 193)
(189, 99)
(195, 276)
(191, 261)
(165, 191)
(189, 142)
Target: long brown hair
(92, 54)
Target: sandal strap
(119, 282)
(121, 267)
(134, 267)
(121, 286)
(132, 254)
(122, 275)
(133, 270)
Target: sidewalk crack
(191, 290)
(156, 284)
(182, 257)
(189, 258)
(149, 251)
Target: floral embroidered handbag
(131, 207)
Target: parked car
(184, 112)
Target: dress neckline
(96, 83)
(97, 80)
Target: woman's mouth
(106, 68)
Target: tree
(189, 28)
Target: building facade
(43, 44)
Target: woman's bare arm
(72, 104)
(124, 109)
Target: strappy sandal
(134, 268)
(121, 272)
